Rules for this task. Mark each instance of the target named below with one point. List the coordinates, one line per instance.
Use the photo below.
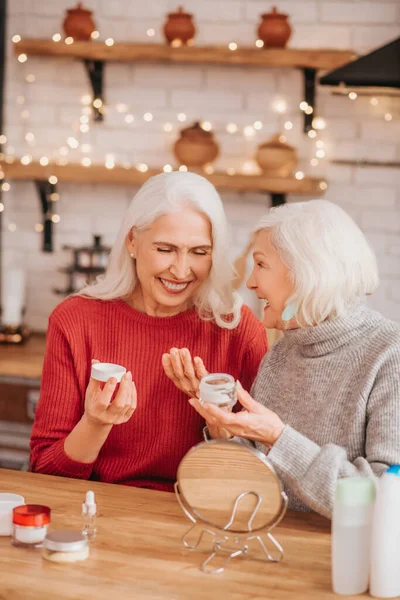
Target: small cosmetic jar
(218, 389)
(103, 371)
(30, 524)
(64, 546)
(7, 503)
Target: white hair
(329, 259)
(161, 195)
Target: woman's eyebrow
(161, 243)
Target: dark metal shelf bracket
(45, 190)
(95, 71)
(310, 77)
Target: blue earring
(289, 312)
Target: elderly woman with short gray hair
(326, 400)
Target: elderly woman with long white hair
(168, 286)
(326, 400)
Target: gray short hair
(330, 261)
(164, 194)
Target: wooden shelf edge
(76, 173)
(325, 59)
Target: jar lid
(65, 540)
(31, 515)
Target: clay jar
(196, 147)
(276, 158)
(179, 27)
(78, 23)
(274, 29)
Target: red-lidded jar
(30, 525)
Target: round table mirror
(231, 487)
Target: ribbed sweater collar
(334, 333)
(186, 318)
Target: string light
(5, 187)
(249, 131)
(299, 175)
(69, 40)
(72, 142)
(20, 100)
(39, 227)
(1, 207)
(167, 127)
(283, 139)
(129, 118)
(56, 37)
(176, 43)
(1, 174)
(150, 32)
(374, 101)
(279, 106)
(167, 169)
(84, 128)
(95, 35)
(309, 110)
(320, 153)
(249, 167)
(86, 99)
(54, 197)
(30, 78)
(12, 227)
(259, 43)
(44, 161)
(352, 96)
(148, 116)
(314, 162)
(55, 218)
(26, 160)
(288, 125)
(97, 103)
(257, 125)
(16, 38)
(231, 128)
(323, 185)
(181, 117)
(388, 117)
(22, 58)
(318, 123)
(231, 171)
(30, 137)
(183, 168)
(122, 108)
(208, 169)
(303, 105)
(206, 125)
(319, 144)
(142, 167)
(110, 161)
(232, 46)
(86, 161)
(109, 42)
(312, 134)
(84, 119)
(3, 139)
(53, 179)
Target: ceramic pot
(179, 27)
(78, 23)
(276, 158)
(195, 147)
(274, 29)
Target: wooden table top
(138, 552)
(26, 360)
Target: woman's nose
(180, 268)
(251, 282)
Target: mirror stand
(229, 544)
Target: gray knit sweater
(336, 387)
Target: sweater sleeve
(58, 411)
(312, 471)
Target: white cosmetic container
(63, 546)
(103, 371)
(7, 503)
(218, 389)
(351, 534)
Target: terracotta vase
(274, 29)
(78, 23)
(179, 27)
(276, 158)
(196, 147)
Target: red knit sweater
(146, 450)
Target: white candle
(13, 295)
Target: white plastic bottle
(351, 534)
(385, 551)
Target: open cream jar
(218, 389)
(103, 371)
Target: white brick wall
(355, 130)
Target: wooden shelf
(130, 52)
(77, 173)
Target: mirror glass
(215, 476)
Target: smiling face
(271, 281)
(173, 258)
